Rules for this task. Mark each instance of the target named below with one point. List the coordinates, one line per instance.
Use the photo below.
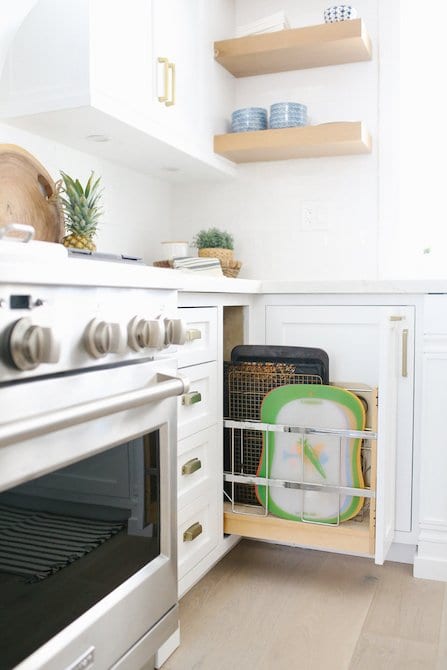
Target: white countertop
(21, 264)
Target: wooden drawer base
(351, 536)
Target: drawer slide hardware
(191, 466)
(192, 532)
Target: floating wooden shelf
(295, 49)
(350, 536)
(327, 139)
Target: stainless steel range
(88, 392)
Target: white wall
(137, 207)
(263, 207)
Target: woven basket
(224, 255)
(162, 264)
(231, 269)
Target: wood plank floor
(268, 607)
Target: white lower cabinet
(197, 466)
(198, 450)
(431, 559)
(197, 532)
(373, 345)
(197, 409)
(370, 345)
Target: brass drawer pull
(193, 334)
(405, 352)
(169, 103)
(192, 532)
(191, 466)
(191, 398)
(165, 62)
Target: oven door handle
(49, 422)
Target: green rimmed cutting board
(326, 460)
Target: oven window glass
(71, 537)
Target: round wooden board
(27, 194)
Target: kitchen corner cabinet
(370, 345)
(97, 83)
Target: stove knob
(143, 334)
(102, 338)
(175, 331)
(30, 345)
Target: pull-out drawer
(197, 532)
(201, 342)
(197, 465)
(197, 409)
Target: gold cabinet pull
(191, 398)
(169, 103)
(405, 352)
(165, 62)
(193, 334)
(191, 466)
(192, 532)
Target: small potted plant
(215, 243)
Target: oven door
(87, 515)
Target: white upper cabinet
(178, 57)
(86, 73)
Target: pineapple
(81, 210)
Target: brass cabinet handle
(405, 352)
(163, 98)
(191, 466)
(191, 398)
(193, 334)
(169, 103)
(192, 532)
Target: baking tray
(307, 360)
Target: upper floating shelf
(295, 49)
(328, 139)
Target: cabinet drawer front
(197, 409)
(197, 532)
(197, 465)
(201, 345)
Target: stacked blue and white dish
(339, 13)
(288, 115)
(250, 118)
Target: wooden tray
(28, 194)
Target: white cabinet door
(365, 346)
(178, 36)
(389, 372)
(120, 58)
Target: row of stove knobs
(29, 345)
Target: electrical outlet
(314, 215)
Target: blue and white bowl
(249, 119)
(288, 115)
(288, 123)
(288, 108)
(339, 13)
(249, 113)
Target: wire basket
(246, 385)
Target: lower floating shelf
(327, 139)
(351, 536)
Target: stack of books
(268, 24)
